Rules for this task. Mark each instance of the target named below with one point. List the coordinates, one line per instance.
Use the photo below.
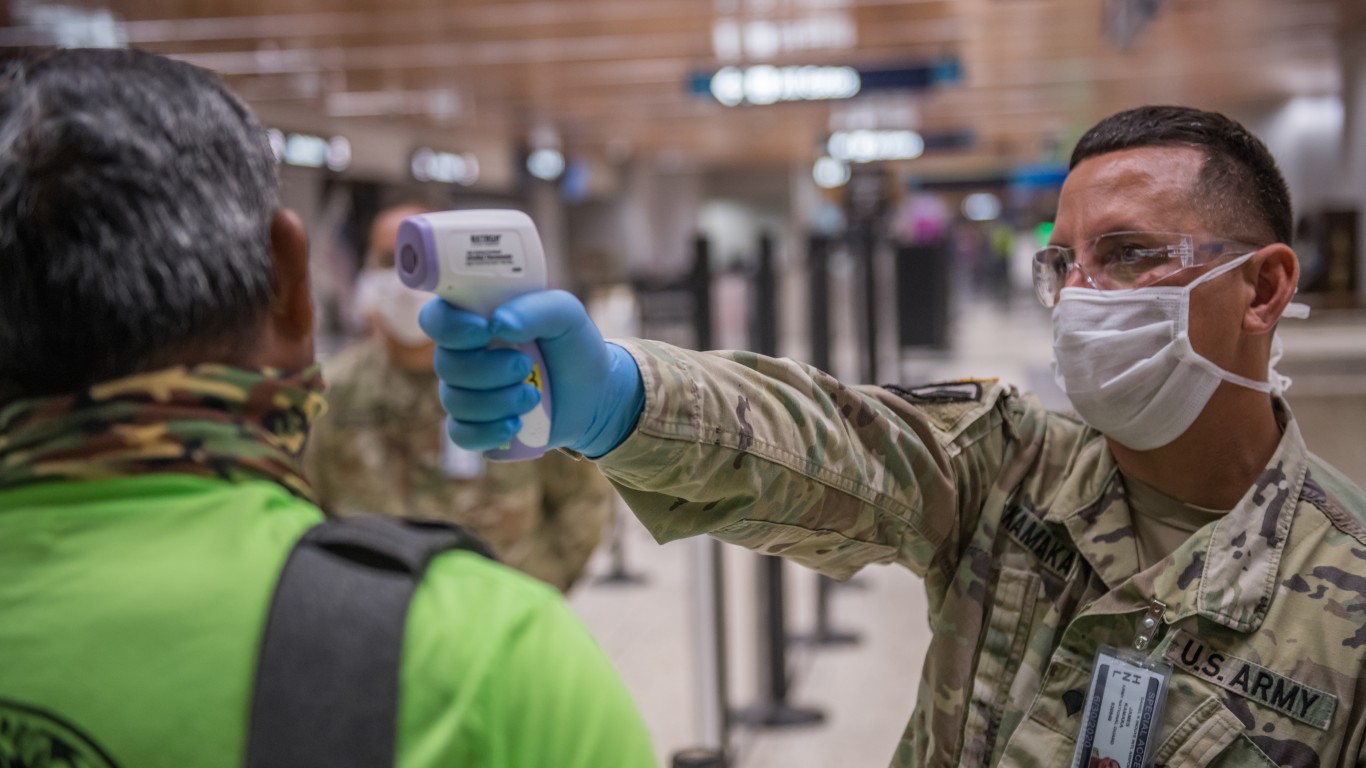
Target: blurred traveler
(382, 446)
(156, 389)
(1178, 515)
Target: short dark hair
(136, 198)
(1240, 186)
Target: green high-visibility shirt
(131, 614)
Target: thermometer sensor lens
(407, 259)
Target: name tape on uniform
(1253, 681)
(1053, 551)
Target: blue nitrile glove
(596, 393)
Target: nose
(1076, 278)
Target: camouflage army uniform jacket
(380, 449)
(1018, 522)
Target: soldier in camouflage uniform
(1039, 537)
(382, 447)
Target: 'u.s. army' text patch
(1253, 681)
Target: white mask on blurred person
(1125, 360)
(382, 295)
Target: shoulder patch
(950, 406)
(961, 391)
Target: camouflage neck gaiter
(210, 420)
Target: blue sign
(914, 78)
(766, 84)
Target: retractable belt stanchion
(708, 606)
(818, 287)
(864, 246)
(772, 709)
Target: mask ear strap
(1273, 378)
(1222, 269)
(1280, 383)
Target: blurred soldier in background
(383, 448)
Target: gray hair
(136, 198)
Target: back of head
(1240, 187)
(136, 198)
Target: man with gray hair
(157, 385)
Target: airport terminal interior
(856, 184)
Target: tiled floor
(867, 691)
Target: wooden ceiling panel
(603, 71)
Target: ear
(289, 342)
(1275, 274)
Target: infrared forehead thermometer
(478, 260)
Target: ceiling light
(830, 173)
(982, 206)
(546, 164)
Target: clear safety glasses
(1122, 260)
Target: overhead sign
(764, 84)
(867, 146)
(445, 167)
(308, 151)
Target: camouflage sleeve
(781, 458)
(576, 506)
(350, 469)
(316, 460)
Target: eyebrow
(1113, 229)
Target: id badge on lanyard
(1123, 711)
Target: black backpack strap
(327, 681)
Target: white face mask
(380, 292)
(1125, 360)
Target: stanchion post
(772, 709)
(818, 299)
(865, 246)
(709, 604)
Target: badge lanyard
(1123, 710)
